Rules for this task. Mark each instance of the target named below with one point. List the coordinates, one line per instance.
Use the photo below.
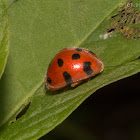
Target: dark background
(111, 113)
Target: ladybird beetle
(71, 66)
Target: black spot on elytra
(86, 67)
(78, 49)
(60, 62)
(49, 80)
(68, 78)
(75, 56)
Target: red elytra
(70, 66)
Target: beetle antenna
(44, 92)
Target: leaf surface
(38, 31)
(4, 37)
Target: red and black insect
(71, 66)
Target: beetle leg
(87, 80)
(74, 84)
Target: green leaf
(136, 4)
(4, 37)
(38, 31)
